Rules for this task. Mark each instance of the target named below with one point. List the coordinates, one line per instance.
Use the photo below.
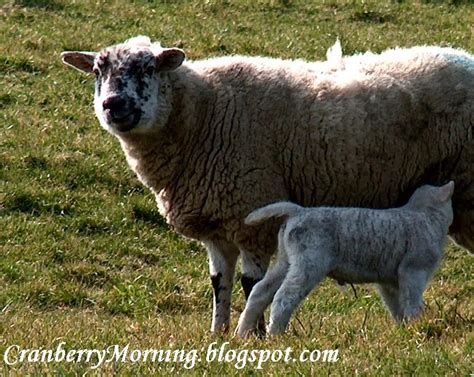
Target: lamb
(215, 139)
(397, 248)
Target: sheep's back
(366, 133)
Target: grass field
(85, 258)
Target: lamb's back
(366, 245)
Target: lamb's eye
(96, 71)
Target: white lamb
(399, 249)
(218, 138)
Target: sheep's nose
(116, 106)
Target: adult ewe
(218, 138)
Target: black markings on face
(117, 84)
(141, 84)
(134, 68)
(102, 63)
(144, 74)
(128, 73)
(98, 84)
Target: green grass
(85, 257)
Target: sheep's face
(132, 92)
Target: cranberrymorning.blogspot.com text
(239, 358)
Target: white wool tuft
(143, 41)
(334, 55)
(140, 40)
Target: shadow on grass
(448, 2)
(149, 216)
(9, 65)
(372, 17)
(34, 205)
(6, 100)
(48, 298)
(42, 4)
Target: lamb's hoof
(275, 329)
(412, 314)
(261, 329)
(243, 331)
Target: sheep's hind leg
(261, 296)
(254, 266)
(222, 260)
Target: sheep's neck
(156, 156)
(164, 160)
(153, 158)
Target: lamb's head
(432, 197)
(132, 90)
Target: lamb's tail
(334, 56)
(272, 210)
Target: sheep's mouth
(124, 122)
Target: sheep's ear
(446, 191)
(169, 59)
(81, 60)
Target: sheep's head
(132, 92)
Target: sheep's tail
(272, 210)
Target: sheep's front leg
(254, 266)
(462, 229)
(222, 260)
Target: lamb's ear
(446, 191)
(81, 60)
(169, 59)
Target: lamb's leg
(390, 297)
(307, 268)
(261, 296)
(222, 260)
(254, 266)
(412, 283)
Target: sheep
(397, 248)
(215, 139)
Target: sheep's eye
(96, 71)
(149, 70)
